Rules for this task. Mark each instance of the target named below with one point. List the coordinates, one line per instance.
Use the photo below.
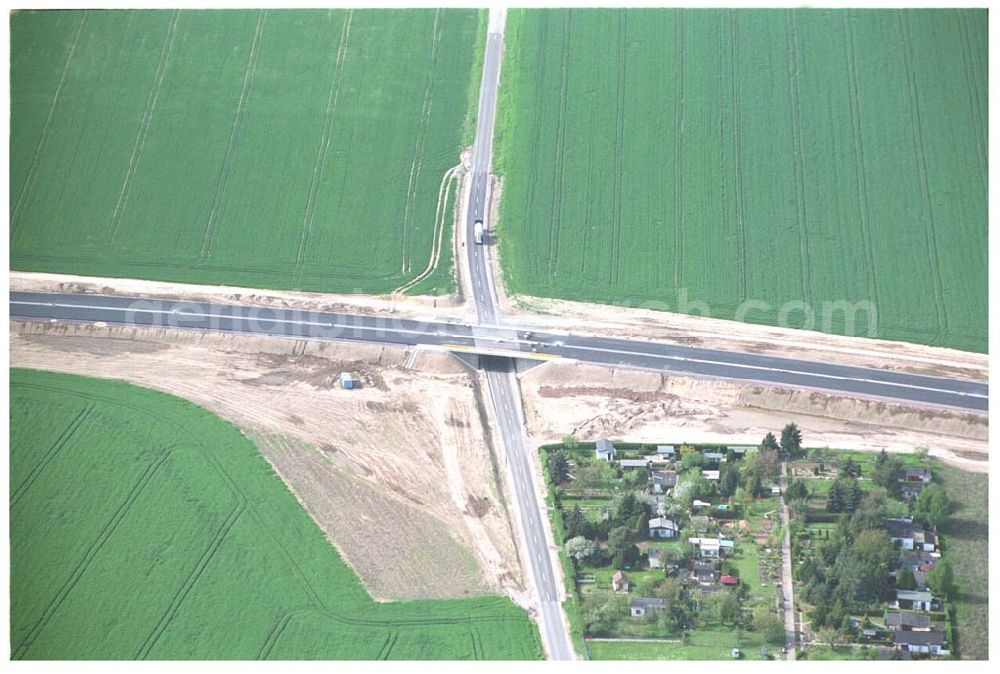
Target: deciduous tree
(941, 579)
(582, 550)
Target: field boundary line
(336, 80)
(144, 124)
(425, 113)
(738, 156)
(203, 561)
(81, 567)
(925, 189)
(227, 161)
(723, 168)
(557, 175)
(50, 454)
(616, 214)
(805, 273)
(972, 86)
(679, 150)
(440, 218)
(854, 100)
(43, 137)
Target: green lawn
(141, 526)
(700, 160)
(274, 148)
(746, 562)
(967, 537)
(702, 644)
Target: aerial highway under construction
(498, 342)
(507, 340)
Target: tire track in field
(388, 645)
(558, 175)
(919, 150)
(336, 80)
(738, 156)
(805, 272)
(227, 163)
(199, 568)
(242, 502)
(588, 219)
(972, 86)
(854, 100)
(29, 180)
(723, 169)
(679, 160)
(477, 645)
(440, 223)
(418, 150)
(81, 567)
(616, 214)
(275, 634)
(50, 454)
(529, 197)
(145, 123)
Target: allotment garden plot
(879, 542)
(280, 149)
(767, 156)
(144, 527)
(668, 552)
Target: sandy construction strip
(593, 402)
(418, 307)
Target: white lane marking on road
(195, 314)
(771, 369)
(658, 356)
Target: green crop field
(281, 149)
(661, 158)
(141, 526)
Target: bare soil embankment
(591, 402)
(397, 473)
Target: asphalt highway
(511, 340)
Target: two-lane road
(500, 373)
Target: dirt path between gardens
(592, 401)
(397, 474)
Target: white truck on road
(479, 231)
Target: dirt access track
(638, 406)
(397, 473)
